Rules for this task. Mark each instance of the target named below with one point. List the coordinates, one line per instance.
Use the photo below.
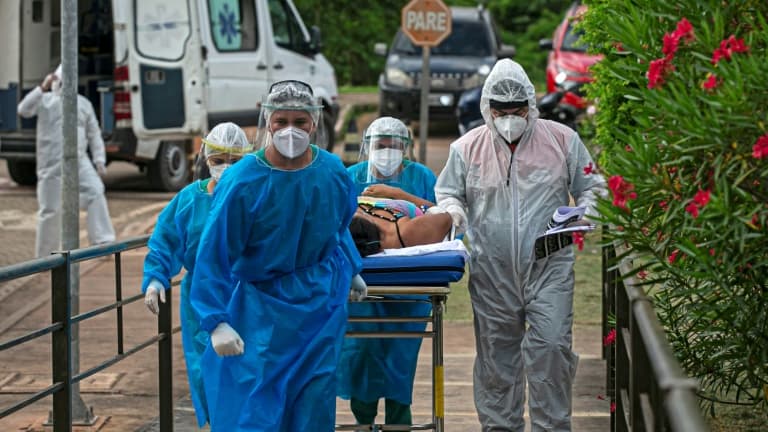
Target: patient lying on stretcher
(381, 223)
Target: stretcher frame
(437, 293)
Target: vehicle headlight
(564, 75)
(397, 77)
(476, 79)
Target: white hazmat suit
(47, 107)
(523, 306)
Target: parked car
(159, 73)
(568, 59)
(460, 62)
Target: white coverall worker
(523, 306)
(49, 146)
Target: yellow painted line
(439, 392)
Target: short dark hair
(366, 236)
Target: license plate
(441, 99)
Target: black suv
(458, 63)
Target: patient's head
(366, 236)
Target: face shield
(508, 101)
(290, 118)
(224, 145)
(385, 145)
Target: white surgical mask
(218, 170)
(291, 141)
(387, 161)
(510, 127)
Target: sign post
(426, 23)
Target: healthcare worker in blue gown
(174, 242)
(274, 269)
(371, 369)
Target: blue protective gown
(276, 262)
(371, 369)
(415, 178)
(173, 244)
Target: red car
(568, 59)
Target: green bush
(681, 125)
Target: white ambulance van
(159, 73)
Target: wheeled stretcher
(409, 278)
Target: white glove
(226, 341)
(359, 289)
(436, 209)
(101, 169)
(155, 289)
(459, 217)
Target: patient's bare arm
(386, 191)
(426, 229)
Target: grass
(730, 418)
(587, 302)
(358, 89)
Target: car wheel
(171, 169)
(23, 172)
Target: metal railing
(643, 377)
(60, 265)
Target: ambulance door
(165, 69)
(293, 56)
(237, 59)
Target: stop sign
(426, 22)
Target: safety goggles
(292, 83)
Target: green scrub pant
(395, 412)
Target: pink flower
(622, 191)
(658, 70)
(673, 256)
(663, 204)
(684, 31)
(711, 252)
(610, 338)
(710, 83)
(578, 239)
(701, 198)
(727, 48)
(589, 169)
(642, 274)
(693, 209)
(760, 149)
(670, 45)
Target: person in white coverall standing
(44, 101)
(502, 183)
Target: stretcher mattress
(436, 268)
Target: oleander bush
(681, 126)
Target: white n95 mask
(387, 161)
(218, 170)
(291, 141)
(510, 127)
